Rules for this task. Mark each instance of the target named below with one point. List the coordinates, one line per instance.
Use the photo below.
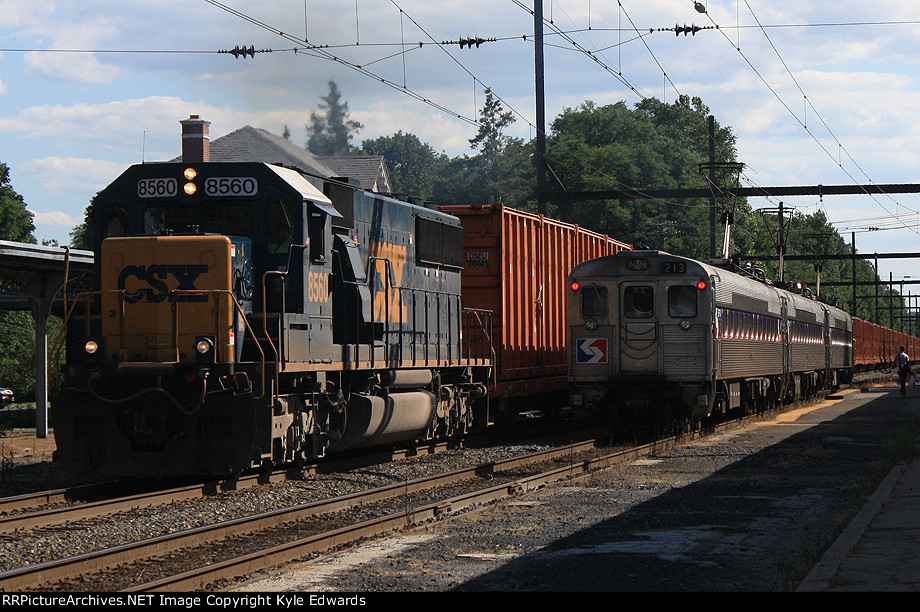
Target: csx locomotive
(247, 315)
(649, 329)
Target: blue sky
(816, 92)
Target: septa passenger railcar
(658, 338)
(246, 315)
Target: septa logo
(591, 350)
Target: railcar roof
(612, 264)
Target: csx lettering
(388, 272)
(155, 277)
(317, 287)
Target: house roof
(369, 170)
(255, 144)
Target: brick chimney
(196, 143)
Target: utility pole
(853, 238)
(780, 239)
(540, 160)
(877, 319)
(712, 181)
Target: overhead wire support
(243, 51)
(469, 41)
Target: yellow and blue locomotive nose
(162, 293)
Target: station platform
(880, 549)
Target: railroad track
(278, 536)
(61, 506)
(271, 538)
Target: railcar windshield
(639, 302)
(594, 301)
(682, 301)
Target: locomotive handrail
(276, 350)
(235, 303)
(414, 293)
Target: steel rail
(261, 559)
(49, 517)
(32, 576)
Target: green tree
(495, 148)
(330, 133)
(652, 146)
(413, 164)
(79, 235)
(15, 220)
(17, 329)
(501, 172)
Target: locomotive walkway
(880, 549)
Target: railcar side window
(682, 301)
(639, 302)
(594, 302)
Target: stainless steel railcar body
(650, 328)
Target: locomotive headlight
(685, 324)
(94, 351)
(205, 350)
(190, 175)
(591, 324)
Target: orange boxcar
(516, 265)
(876, 346)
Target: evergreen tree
(493, 144)
(330, 133)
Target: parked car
(6, 396)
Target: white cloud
(61, 175)
(56, 219)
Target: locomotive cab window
(279, 227)
(639, 302)
(164, 220)
(228, 220)
(682, 301)
(594, 302)
(317, 228)
(116, 223)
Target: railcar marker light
(91, 346)
(701, 285)
(591, 324)
(575, 286)
(204, 345)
